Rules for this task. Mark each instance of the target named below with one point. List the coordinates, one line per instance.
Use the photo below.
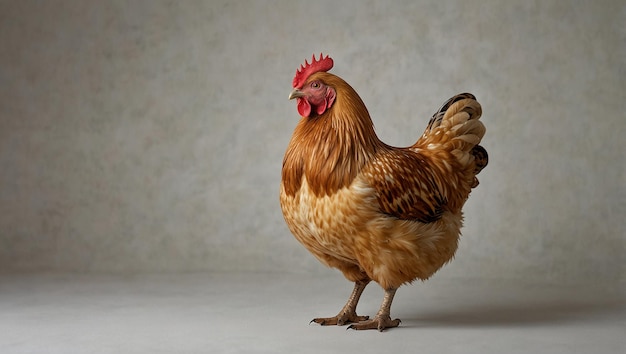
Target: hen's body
(373, 211)
(347, 230)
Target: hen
(373, 211)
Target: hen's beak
(295, 94)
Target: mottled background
(148, 136)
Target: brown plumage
(373, 211)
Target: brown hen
(373, 211)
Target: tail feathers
(436, 119)
(456, 127)
(481, 159)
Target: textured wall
(148, 135)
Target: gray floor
(269, 313)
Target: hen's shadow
(535, 310)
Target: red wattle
(304, 107)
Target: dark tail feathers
(481, 159)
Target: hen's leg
(382, 319)
(348, 312)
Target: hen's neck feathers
(330, 149)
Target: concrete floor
(269, 313)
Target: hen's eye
(315, 84)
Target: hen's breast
(329, 225)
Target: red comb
(323, 64)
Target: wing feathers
(407, 187)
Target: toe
(343, 320)
(339, 320)
(325, 321)
(379, 323)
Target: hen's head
(313, 94)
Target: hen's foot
(340, 320)
(348, 312)
(379, 322)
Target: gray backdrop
(149, 135)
